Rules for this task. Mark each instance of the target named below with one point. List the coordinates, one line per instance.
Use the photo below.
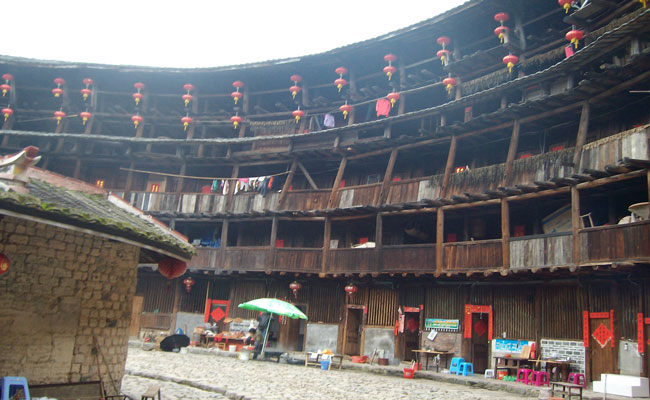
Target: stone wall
(563, 349)
(63, 289)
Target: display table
(566, 390)
(510, 363)
(561, 373)
(428, 353)
(316, 358)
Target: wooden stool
(221, 346)
(151, 393)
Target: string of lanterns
(137, 96)
(6, 88)
(502, 30)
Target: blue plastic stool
(466, 368)
(454, 367)
(9, 385)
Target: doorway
(601, 342)
(411, 334)
(480, 345)
(292, 331)
(352, 333)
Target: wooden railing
(298, 260)
(626, 242)
(306, 199)
(202, 203)
(552, 250)
(476, 255)
(153, 201)
(206, 258)
(353, 260)
(358, 195)
(409, 258)
(247, 258)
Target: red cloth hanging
(383, 107)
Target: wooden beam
(505, 233)
(582, 135)
(327, 234)
(575, 226)
(648, 187)
(77, 169)
(307, 176)
(287, 183)
(379, 237)
(611, 179)
(274, 236)
(388, 175)
(337, 182)
(440, 232)
(231, 186)
(449, 166)
(512, 152)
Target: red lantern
(350, 289)
(85, 92)
(295, 286)
(187, 98)
(449, 83)
(186, 121)
(345, 109)
(295, 89)
(574, 36)
(137, 120)
(137, 96)
(443, 55)
(85, 116)
(236, 120)
(236, 95)
(188, 86)
(87, 81)
(57, 91)
(171, 268)
(393, 97)
(502, 30)
(389, 70)
(4, 264)
(510, 60)
(340, 82)
(7, 112)
(188, 282)
(59, 115)
(566, 4)
(6, 87)
(297, 114)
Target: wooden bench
(335, 359)
(72, 391)
(152, 392)
(564, 393)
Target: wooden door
(479, 346)
(411, 335)
(353, 332)
(136, 312)
(292, 333)
(600, 343)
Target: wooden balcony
(539, 251)
(206, 258)
(247, 258)
(615, 243)
(306, 200)
(476, 255)
(358, 195)
(409, 258)
(153, 201)
(192, 203)
(353, 261)
(298, 260)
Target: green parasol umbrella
(273, 306)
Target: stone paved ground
(207, 376)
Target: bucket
(232, 348)
(244, 355)
(408, 373)
(325, 365)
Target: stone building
(70, 253)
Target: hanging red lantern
(295, 286)
(510, 60)
(88, 82)
(340, 82)
(6, 87)
(389, 70)
(85, 92)
(137, 120)
(449, 83)
(502, 30)
(186, 120)
(443, 54)
(295, 89)
(7, 112)
(350, 289)
(236, 120)
(171, 268)
(188, 282)
(566, 4)
(4, 264)
(188, 86)
(187, 97)
(59, 115)
(57, 91)
(345, 109)
(236, 95)
(297, 114)
(393, 97)
(574, 36)
(85, 116)
(137, 96)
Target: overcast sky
(199, 33)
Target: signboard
(240, 326)
(442, 324)
(509, 345)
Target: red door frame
(586, 316)
(472, 309)
(641, 322)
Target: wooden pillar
(231, 186)
(179, 185)
(648, 187)
(379, 236)
(287, 183)
(402, 80)
(224, 233)
(582, 135)
(274, 236)
(77, 169)
(575, 226)
(440, 233)
(387, 131)
(385, 186)
(505, 233)
(337, 182)
(449, 166)
(129, 181)
(327, 234)
(512, 152)
(307, 176)
(177, 301)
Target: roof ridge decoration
(14, 168)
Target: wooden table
(556, 386)
(428, 353)
(514, 365)
(562, 373)
(334, 359)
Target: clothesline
(193, 177)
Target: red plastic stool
(523, 375)
(577, 379)
(539, 378)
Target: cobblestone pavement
(208, 376)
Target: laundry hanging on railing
(260, 184)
